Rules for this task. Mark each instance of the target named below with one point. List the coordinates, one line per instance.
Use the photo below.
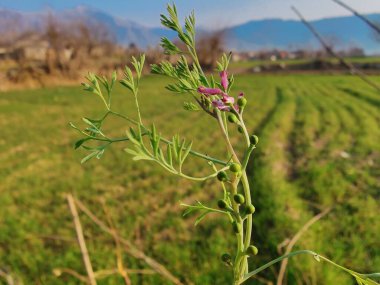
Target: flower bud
(222, 204)
(209, 91)
(222, 176)
(224, 79)
(235, 167)
(232, 118)
(240, 129)
(252, 250)
(242, 102)
(249, 209)
(226, 258)
(239, 198)
(236, 227)
(254, 140)
(228, 99)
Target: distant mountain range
(343, 32)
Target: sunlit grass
(318, 148)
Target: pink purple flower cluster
(224, 102)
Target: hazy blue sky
(217, 13)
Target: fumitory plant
(213, 96)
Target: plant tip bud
(249, 209)
(242, 102)
(222, 204)
(240, 129)
(235, 167)
(225, 257)
(254, 140)
(232, 118)
(239, 198)
(252, 250)
(222, 176)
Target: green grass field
(319, 147)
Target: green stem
(240, 116)
(205, 208)
(195, 153)
(124, 117)
(247, 194)
(309, 252)
(225, 123)
(247, 191)
(241, 262)
(226, 138)
(245, 130)
(198, 178)
(248, 231)
(137, 106)
(194, 55)
(239, 253)
(247, 156)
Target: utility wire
(356, 13)
(353, 70)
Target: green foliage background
(319, 147)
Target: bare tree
(54, 36)
(90, 35)
(210, 47)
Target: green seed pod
(222, 176)
(222, 204)
(236, 227)
(252, 250)
(235, 167)
(239, 198)
(242, 102)
(249, 209)
(232, 118)
(240, 129)
(254, 140)
(225, 257)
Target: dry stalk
(293, 241)
(129, 247)
(99, 274)
(119, 258)
(81, 240)
(8, 278)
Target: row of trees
(55, 48)
(69, 48)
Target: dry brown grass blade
(99, 274)
(293, 241)
(7, 277)
(130, 248)
(59, 271)
(263, 280)
(106, 272)
(119, 258)
(81, 240)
